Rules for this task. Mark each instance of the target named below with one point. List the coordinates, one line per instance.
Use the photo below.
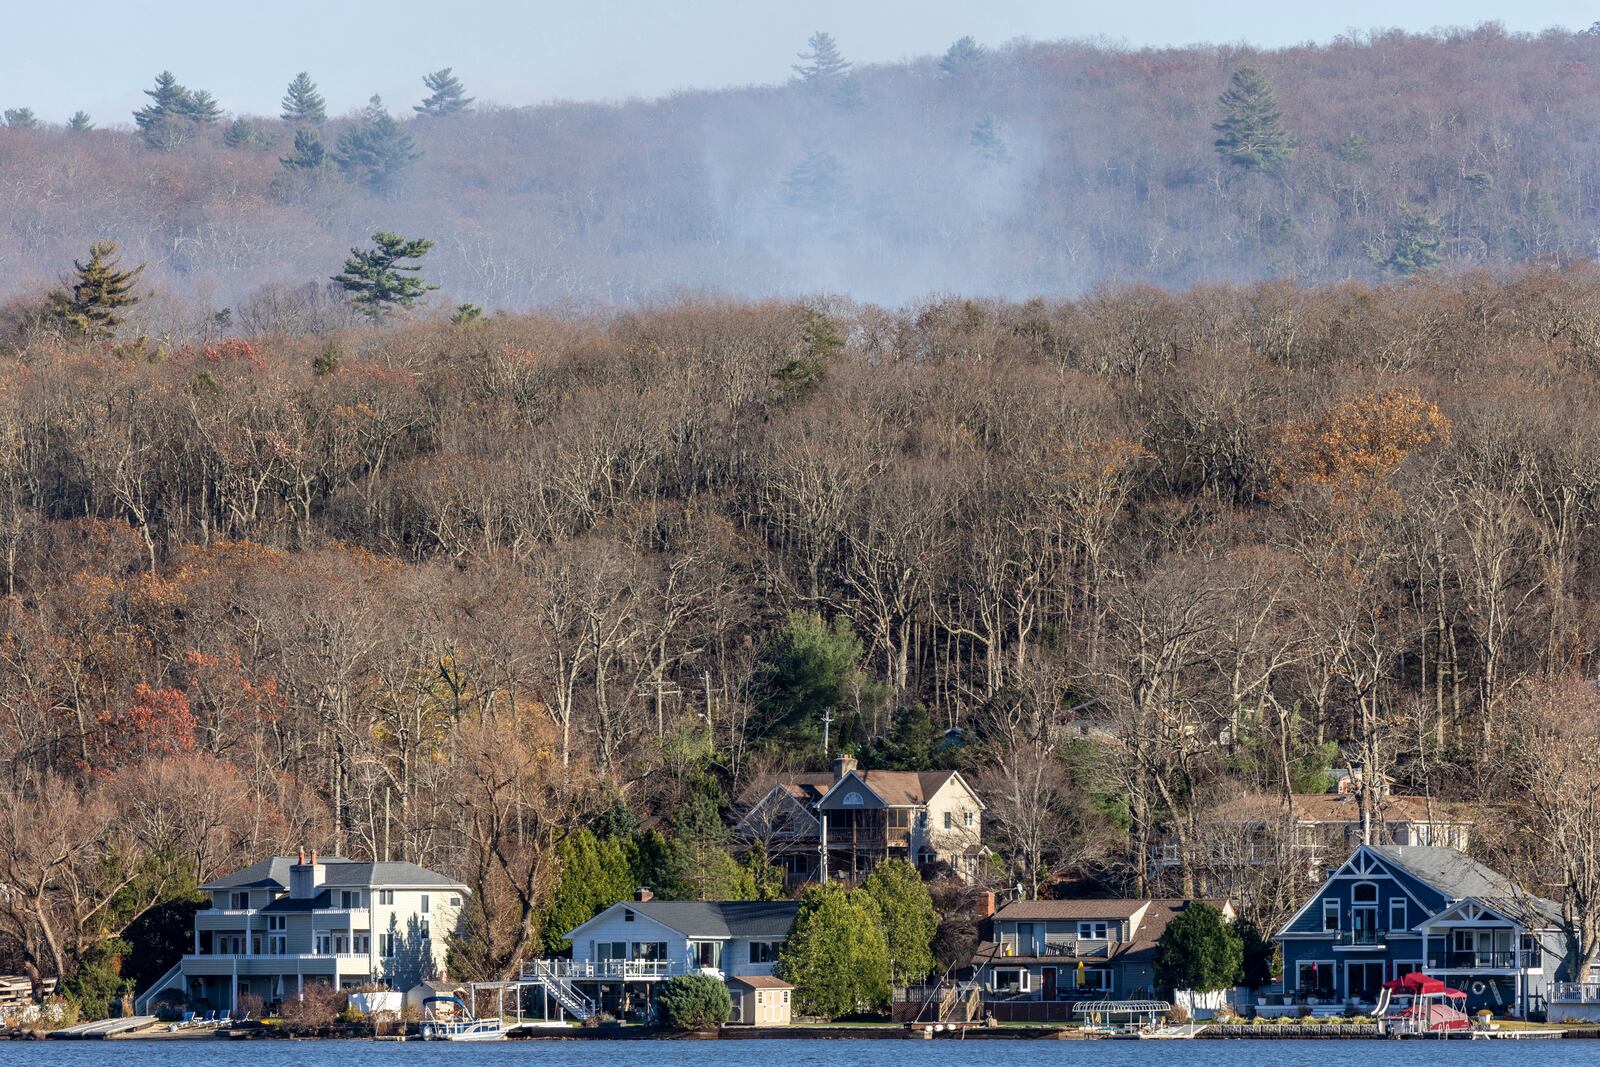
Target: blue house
(1389, 910)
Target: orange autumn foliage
(1355, 448)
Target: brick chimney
(643, 893)
(306, 878)
(986, 904)
(843, 764)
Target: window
(386, 944)
(363, 944)
(764, 951)
(969, 819)
(277, 922)
(350, 899)
(627, 916)
(607, 951)
(386, 896)
(1316, 979)
(949, 820)
(1403, 969)
(1097, 979)
(1010, 980)
(706, 954)
(455, 901)
(854, 800)
(1397, 913)
(423, 907)
(323, 945)
(1092, 931)
(1330, 914)
(1364, 893)
(240, 902)
(650, 950)
(423, 930)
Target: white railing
(1576, 992)
(599, 969)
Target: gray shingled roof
(274, 873)
(1452, 872)
(721, 918)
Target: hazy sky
(527, 51)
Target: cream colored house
(279, 924)
(859, 818)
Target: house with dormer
(1036, 959)
(286, 921)
(1389, 910)
(858, 818)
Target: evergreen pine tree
(99, 291)
(165, 121)
(964, 59)
(376, 279)
(1417, 248)
(202, 107)
(80, 122)
(1251, 130)
(302, 102)
(823, 65)
(377, 151)
(816, 186)
(308, 154)
(21, 118)
(1199, 950)
(447, 98)
(988, 141)
(242, 133)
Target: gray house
(277, 925)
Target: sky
(516, 52)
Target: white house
(859, 818)
(287, 921)
(624, 951)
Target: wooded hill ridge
(449, 592)
(1026, 169)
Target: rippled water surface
(988, 1053)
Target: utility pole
(827, 720)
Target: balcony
(1455, 959)
(596, 970)
(1079, 948)
(1357, 940)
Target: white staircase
(142, 1002)
(569, 996)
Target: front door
(1049, 983)
(1364, 980)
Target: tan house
(1249, 830)
(760, 1000)
(858, 818)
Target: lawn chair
(225, 1018)
(209, 1019)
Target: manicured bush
(693, 1002)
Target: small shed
(760, 1000)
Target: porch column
(823, 848)
(197, 939)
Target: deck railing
(607, 969)
(1576, 992)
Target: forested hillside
(450, 592)
(1019, 170)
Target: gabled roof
(759, 981)
(1450, 871)
(894, 788)
(714, 918)
(1335, 808)
(1044, 910)
(899, 789)
(273, 873)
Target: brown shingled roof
(896, 788)
(759, 981)
(1332, 807)
(1029, 910)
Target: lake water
(987, 1053)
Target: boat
(447, 1019)
(1171, 1033)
